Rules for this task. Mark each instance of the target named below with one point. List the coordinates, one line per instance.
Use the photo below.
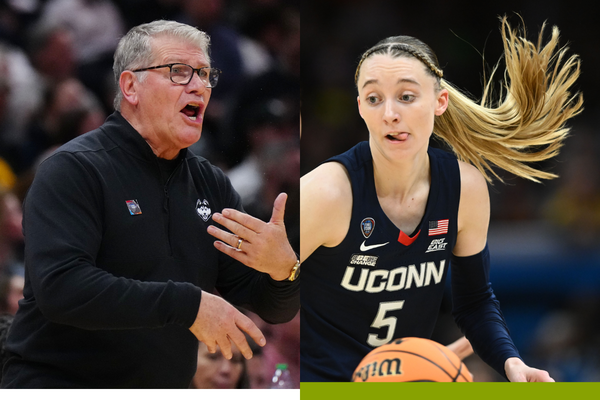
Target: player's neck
(400, 178)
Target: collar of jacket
(119, 130)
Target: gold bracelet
(295, 272)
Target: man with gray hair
(120, 227)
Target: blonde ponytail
(528, 123)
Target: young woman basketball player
(382, 223)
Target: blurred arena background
(56, 83)
(544, 238)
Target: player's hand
(264, 246)
(517, 371)
(218, 323)
(461, 347)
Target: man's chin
(189, 136)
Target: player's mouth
(192, 111)
(397, 136)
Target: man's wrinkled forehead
(167, 48)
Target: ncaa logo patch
(367, 226)
(203, 209)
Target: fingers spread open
(246, 325)
(211, 346)
(244, 220)
(240, 341)
(225, 346)
(279, 208)
(234, 253)
(235, 230)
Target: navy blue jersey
(379, 283)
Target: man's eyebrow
(176, 61)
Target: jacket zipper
(168, 217)
(166, 208)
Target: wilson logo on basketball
(411, 360)
(386, 368)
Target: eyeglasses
(182, 74)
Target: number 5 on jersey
(381, 321)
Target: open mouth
(192, 111)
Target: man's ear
(128, 84)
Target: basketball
(411, 360)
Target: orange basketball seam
(458, 369)
(460, 372)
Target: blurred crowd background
(544, 238)
(56, 83)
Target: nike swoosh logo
(373, 246)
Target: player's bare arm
(473, 212)
(461, 347)
(325, 207)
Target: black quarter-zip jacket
(116, 259)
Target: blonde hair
(526, 125)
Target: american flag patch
(438, 227)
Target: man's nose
(196, 84)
